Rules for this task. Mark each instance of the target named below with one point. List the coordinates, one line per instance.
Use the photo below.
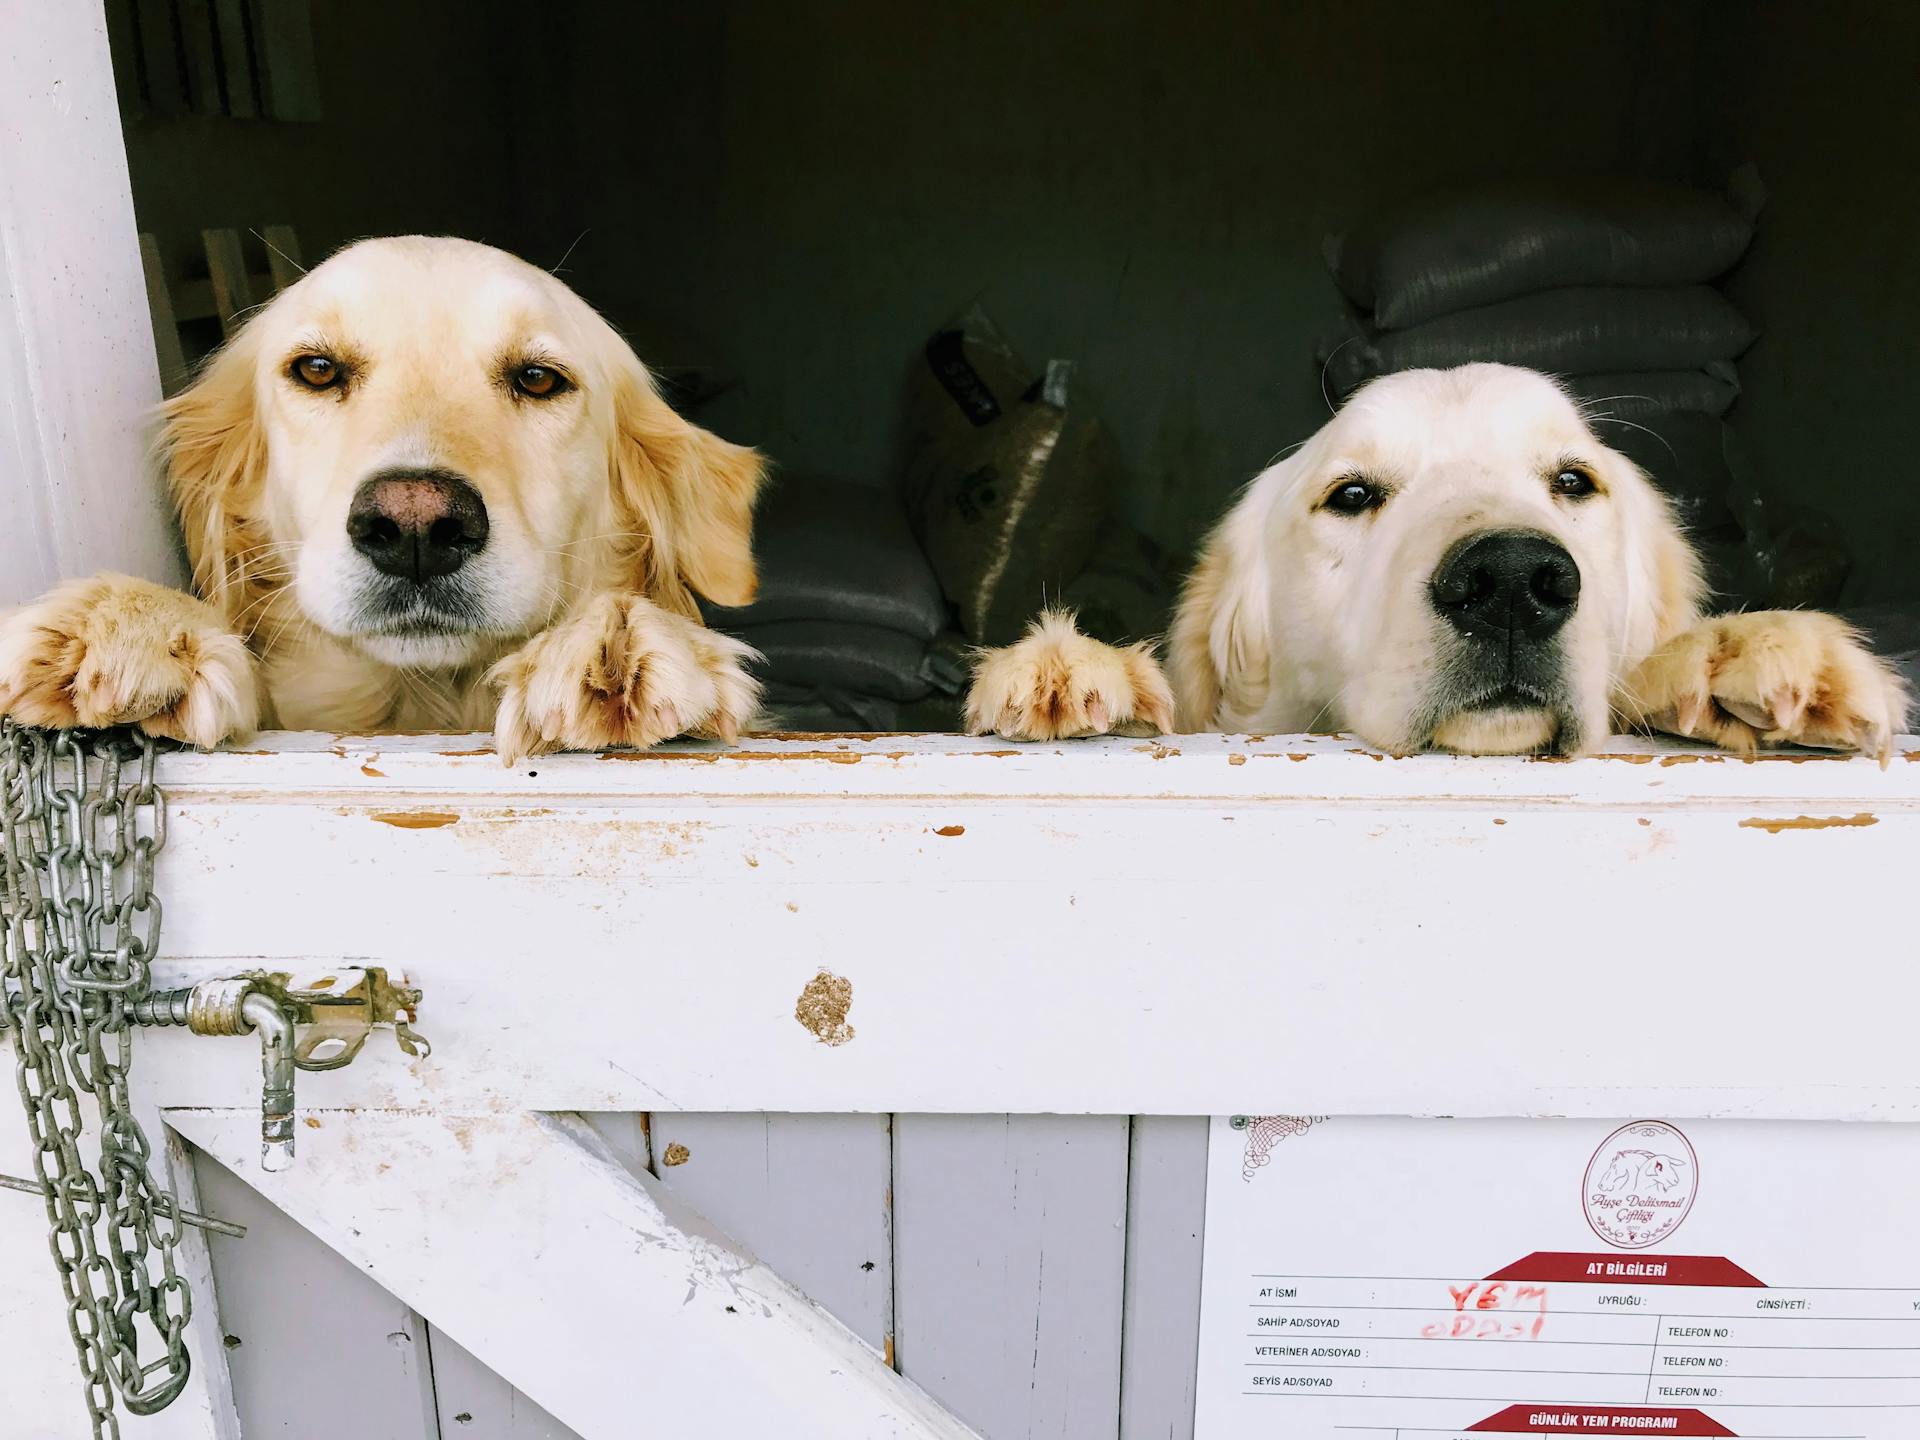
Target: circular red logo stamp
(1640, 1184)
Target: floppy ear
(1666, 588)
(1219, 651)
(687, 493)
(216, 459)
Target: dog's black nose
(1505, 583)
(416, 524)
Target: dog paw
(622, 671)
(118, 651)
(1776, 677)
(1057, 683)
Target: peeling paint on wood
(676, 1154)
(1809, 822)
(416, 819)
(951, 830)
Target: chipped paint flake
(951, 830)
(675, 1154)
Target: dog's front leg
(619, 670)
(1792, 677)
(113, 650)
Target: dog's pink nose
(416, 524)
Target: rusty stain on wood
(676, 1154)
(823, 1005)
(417, 819)
(709, 757)
(951, 830)
(1810, 822)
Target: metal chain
(81, 823)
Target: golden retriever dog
(1454, 562)
(426, 488)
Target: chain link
(81, 823)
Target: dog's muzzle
(1512, 588)
(417, 525)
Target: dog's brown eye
(317, 372)
(1574, 483)
(539, 381)
(1354, 497)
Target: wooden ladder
(230, 292)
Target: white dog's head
(432, 447)
(1454, 561)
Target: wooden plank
(283, 255)
(809, 1194)
(77, 376)
(166, 329)
(1009, 1254)
(236, 58)
(476, 1404)
(316, 1347)
(523, 1238)
(1075, 913)
(193, 1259)
(629, 1135)
(283, 53)
(123, 34)
(1166, 1223)
(234, 293)
(202, 60)
(161, 61)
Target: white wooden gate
(887, 1001)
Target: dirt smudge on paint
(822, 1008)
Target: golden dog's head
(432, 447)
(1455, 561)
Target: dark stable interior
(811, 217)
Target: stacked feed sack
(1607, 285)
(847, 612)
(1011, 482)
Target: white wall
(77, 373)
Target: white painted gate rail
(929, 924)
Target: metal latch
(337, 1008)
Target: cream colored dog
(1454, 562)
(426, 488)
